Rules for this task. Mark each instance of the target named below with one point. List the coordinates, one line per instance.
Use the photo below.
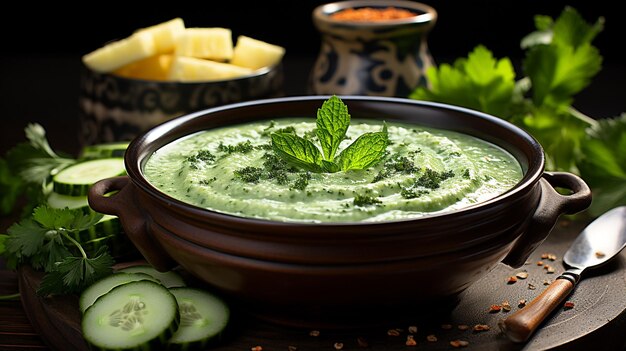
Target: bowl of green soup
(326, 208)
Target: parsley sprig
(560, 62)
(46, 241)
(333, 121)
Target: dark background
(42, 44)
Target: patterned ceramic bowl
(384, 58)
(114, 108)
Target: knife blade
(599, 242)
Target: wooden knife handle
(520, 325)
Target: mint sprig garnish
(333, 121)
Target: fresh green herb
(560, 62)
(44, 241)
(365, 200)
(27, 169)
(332, 123)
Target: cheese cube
(253, 53)
(153, 68)
(210, 43)
(189, 69)
(120, 53)
(165, 34)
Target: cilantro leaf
(73, 274)
(297, 151)
(570, 29)
(479, 82)
(367, 150)
(67, 219)
(25, 239)
(603, 165)
(333, 121)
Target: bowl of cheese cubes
(160, 72)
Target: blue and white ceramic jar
(384, 58)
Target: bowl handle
(551, 205)
(124, 205)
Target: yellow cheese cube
(120, 53)
(165, 34)
(153, 68)
(210, 43)
(189, 69)
(253, 53)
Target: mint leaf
(333, 121)
(367, 150)
(297, 151)
(479, 82)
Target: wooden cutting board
(597, 321)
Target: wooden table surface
(597, 320)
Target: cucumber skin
(154, 344)
(107, 150)
(71, 189)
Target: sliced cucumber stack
(104, 150)
(106, 284)
(169, 279)
(56, 200)
(75, 180)
(139, 315)
(203, 317)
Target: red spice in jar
(370, 14)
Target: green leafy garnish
(365, 200)
(46, 242)
(560, 62)
(332, 123)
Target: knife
(600, 241)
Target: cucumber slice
(169, 279)
(104, 285)
(203, 316)
(75, 180)
(107, 225)
(56, 200)
(104, 150)
(138, 315)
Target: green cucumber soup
(234, 170)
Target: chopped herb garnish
(302, 181)
(249, 174)
(201, 156)
(431, 179)
(412, 193)
(364, 200)
(243, 147)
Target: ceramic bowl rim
(134, 162)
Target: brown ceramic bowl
(299, 271)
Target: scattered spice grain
(431, 338)
(314, 333)
(522, 275)
(506, 306)
(481, 327)
(521, 303)
(494, 308)
(393, 332)
(568, 305)
(362, 342)
(459, 343)
(256, 348)
(410, 341)
(539, 263)
(463, 327)
(446, 326)
(600, 254)
(413, 329)
(511, 280)
(292, 348)
(338, 346)
(531, 287)
(547, 282)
